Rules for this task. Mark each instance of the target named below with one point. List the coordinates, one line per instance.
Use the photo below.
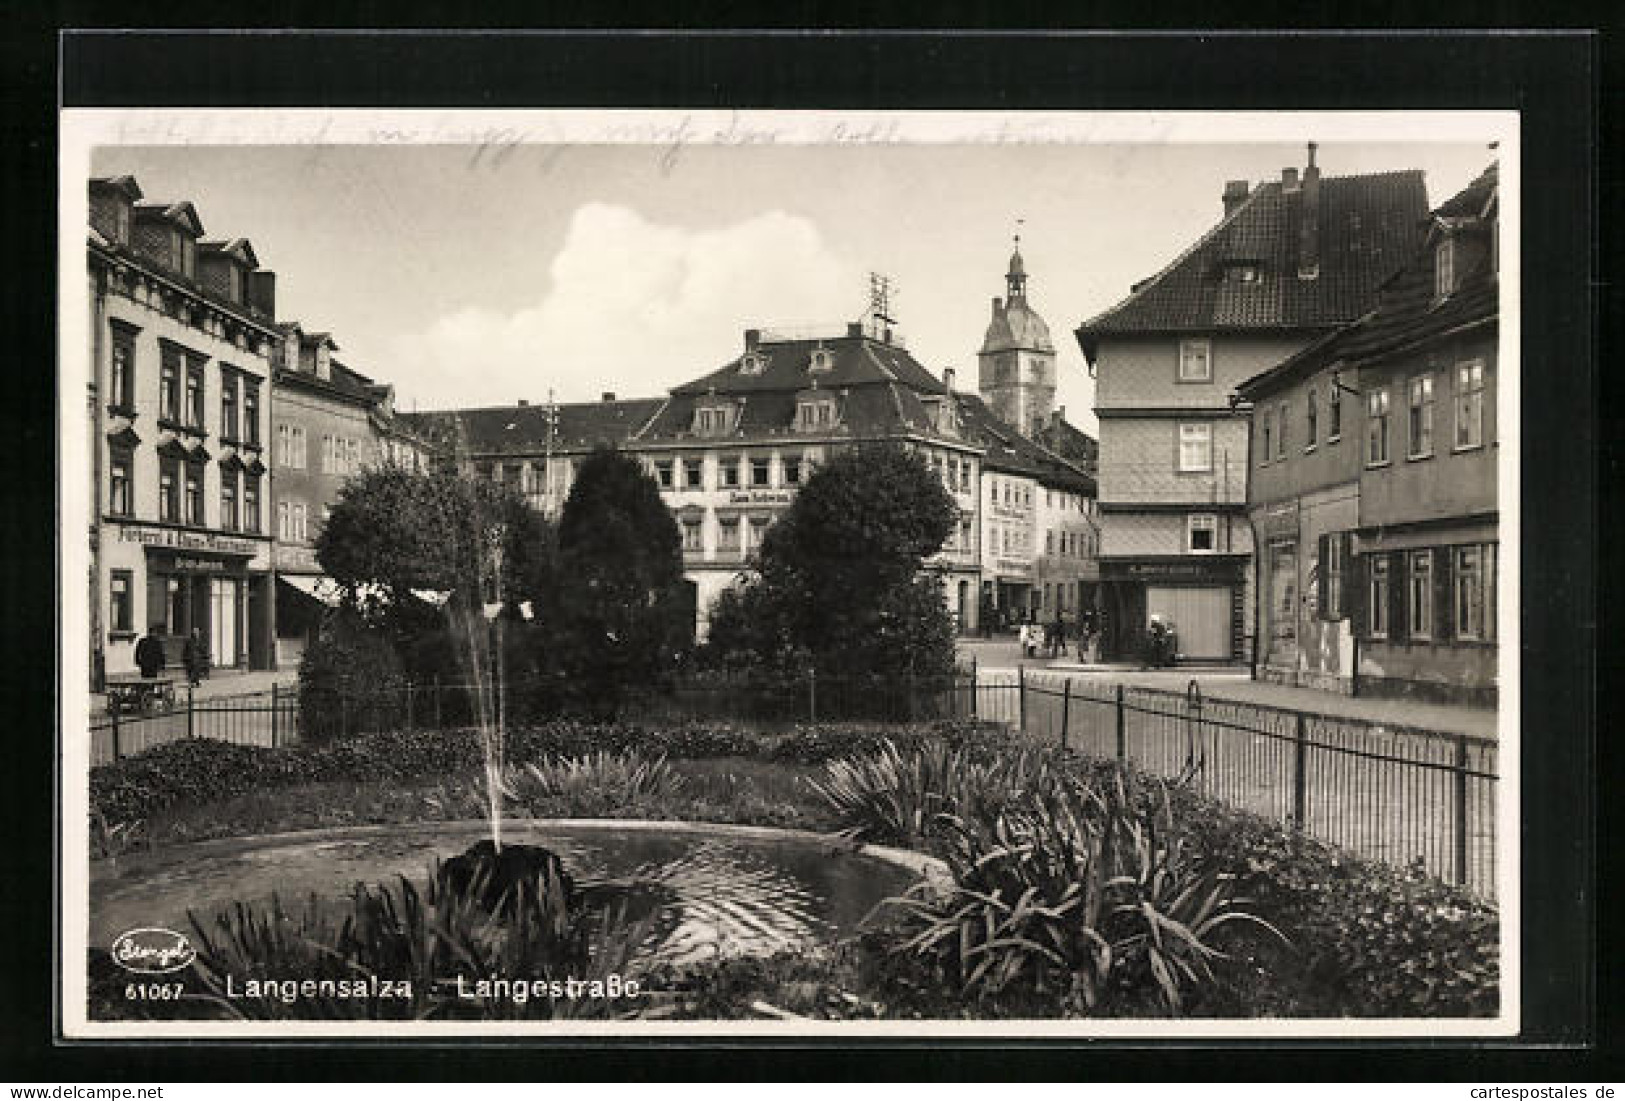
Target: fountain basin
(719, 889)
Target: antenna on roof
(881, 290)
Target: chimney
(948, 379)
(1059, 416)
(1289, 179)
(753, 337)
(262, 292)
(609, 395)
(854, 328)
(1235, 193)
(998, 304)
(524, 402)
(1309, 221)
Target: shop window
(1377, 597)
(1195, 361)
(1420, 403)
(1202, 533)
(1419, 610)
(121, 603)
(663, 473)
(759, 473)
(169, 491)
(1195, 447)
(194, 494)
(1474, 596)
(1470, 404)
(1376, 415)
(121, 387)
(251, 412)
(119, 466)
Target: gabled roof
(855, 360)
(183, 214)
(1011, 452)
(1407, 311)
(238, 248)
(523, 429)
(1069, 442)
(1367, 226)
(124, 184)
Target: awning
(317, 587)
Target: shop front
(1201, 597)
(202, 592)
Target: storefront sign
(760, 497)
(1168, 571)
(186, 540)
(1013, 570)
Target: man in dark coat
(194, 658)
(149, 654)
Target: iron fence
(1395, 793)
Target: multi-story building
(182, 332)
(1378, 543)
(1289, 261)
(329, 422)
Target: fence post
(275, 739)
(1021, 699)
(1300, 770)
(408, 707)
(189, 720)
(1122, 728)
(438, 723)
(1461, 809)
(117, 707)
(812, 695)
(1066, 707)
(911, 709)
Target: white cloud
(634, 307)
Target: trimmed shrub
(350, 680)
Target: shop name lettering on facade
(760, 497)
(185, 540)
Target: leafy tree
(839, 577)
(618, 613)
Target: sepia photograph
(781, 573)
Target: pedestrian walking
(195, 658)
(149, 654)
(1060, 633)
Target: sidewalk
(220, 682)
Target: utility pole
(547, 463)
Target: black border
(1553, 78)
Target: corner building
(1290, 261)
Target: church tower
(1016, 366)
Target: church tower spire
(1016, 366)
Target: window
(251, 412)
(757, 531)
(1444, 268)
(1195, 361)
(964, 476)
(728, 534)
(1334, 549)
(290, 442)
(1202, 531)
(169, 500)
(121, 387)
(251, 503)
(1049, 542)
(759, 472)
(821, 360)
(284, 525)
(691, 534)
(118, 483)
(1419, 612)
(169, 385)
(228, 501)
(1473, 598)
(693, 474)
(1311, 420)
(1376, 412)
(730, 472)
(965, 535)
(1280, 434)
(1266, 435)
(1334, 414)
(1470, 404)
(194, 395)
(228, 406)
(792, 470)
(1376, 603)
(194, 494)
(120, 606)
(663, 473)
(752, 364)
(327, 454)
(1195, 447)
(1420, 391)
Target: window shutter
(1398, 593)
(1323, 560)
(1444, 625)
(1354, 589)
(1349, 597)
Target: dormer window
(1243, 271)
(815, 414)
(1444, 269)
(821, 360)
(752, 364)
(324, 362)
(713, 420)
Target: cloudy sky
(482, 275)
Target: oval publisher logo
(153, 951)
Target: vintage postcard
(660, 573)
